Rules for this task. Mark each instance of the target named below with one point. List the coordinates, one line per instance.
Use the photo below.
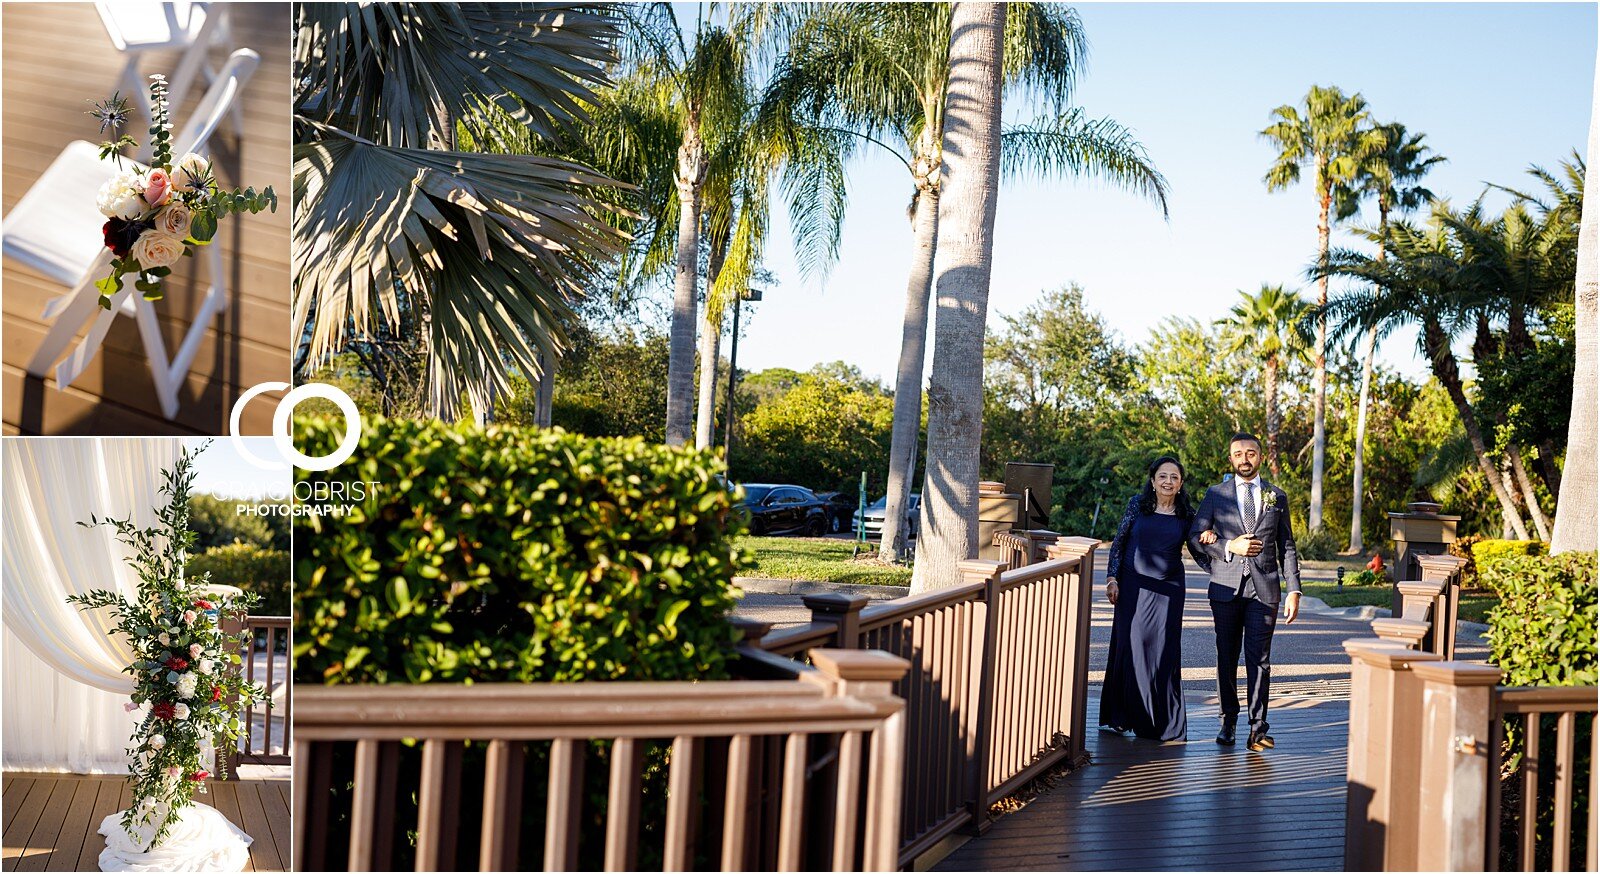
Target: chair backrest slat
(214, 106)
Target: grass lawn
(1475, 603)
(820, 560)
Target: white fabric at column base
(201, 840)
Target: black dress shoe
(1225, 736)
(1260, 740)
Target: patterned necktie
(1250, 508)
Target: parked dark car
(875, 516)
(841, 510)
(784, 509)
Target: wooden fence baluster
(848, 800)
(680, 803)
(1561, 832)
(437, 801)
(791, 824)
(565, 807)
(1528, 828)
(736, 807)
(302, 760)
(622, 805)
(363, 814)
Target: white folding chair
(55, 229)
(139, 26)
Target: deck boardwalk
(1147, 806)
(52, 820)
(57, 59)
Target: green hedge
(509, 553)
(251, 567)
(1488, 552)
(1543, 631)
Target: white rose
(206, 666)
(121, 198)
(181, 711)
(174, 220)
(186, 684)
(157, 741)
(157, 249)
(190, 172)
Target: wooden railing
(1426, 757)
(1429, 608)
(997, 691)
(786, 775)
(1019, 548)
(260, 665)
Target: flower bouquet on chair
(156, 215)
(186, 679)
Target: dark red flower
(177, 664)
(216, 693)
(121, 235)
(203, 604)
(164, 710)
(199, 775)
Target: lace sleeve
(1120, 542)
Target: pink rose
(130, 707)
(188, 617)
(194, 650)
(157, 187)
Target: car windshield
(912, 500)
(755, 494)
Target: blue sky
(220, 470)
(1496, 87)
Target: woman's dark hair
(1147, 497)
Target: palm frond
(1070, 144)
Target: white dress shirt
(1239, 495)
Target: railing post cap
(1421, 588)
(1441, 562)
(859, 665)
(1069, 546)
(1459, 673)
(1404, 629)
(835, 602)
(1385, 654)
(981, 568)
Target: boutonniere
(1270, 498)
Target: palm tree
(878, 75)
(1269, 322)
(1580, 491)
(1389, 175)
(392, 226)
(1424, 282)
(971, 183)
(1331, 137)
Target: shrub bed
(509, 553)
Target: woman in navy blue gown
(1143, 691)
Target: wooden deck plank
(249, 343)
(105, 804)
(13, 790)
(54, 824)
(1186, 806)
(41, 844)
(75, 828)
(224, 796)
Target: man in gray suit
(1243, 524)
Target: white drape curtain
(63, 684)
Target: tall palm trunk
(1437, 346)
(1274, 420)
(1319, 395)
(710, 351)
(908, 375)
(1580, 482)
(680, 355)
(1529, 496)
(544, 397)
(1359, 469)
(967, 210)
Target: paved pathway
(1143, 805)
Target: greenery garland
(185, 665)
